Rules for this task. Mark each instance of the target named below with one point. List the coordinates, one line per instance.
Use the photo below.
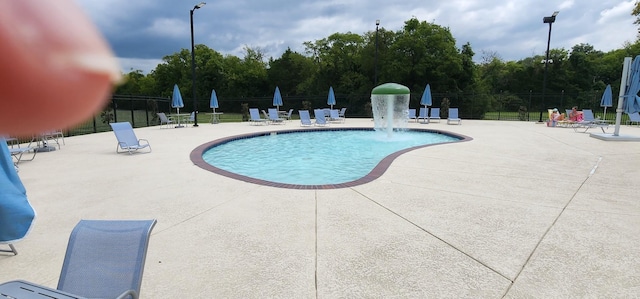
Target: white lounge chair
(453, 117)
(53, 136)
(342, 112)
(17, 152)
(127, 140)
(288, 116)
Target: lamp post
(193, 66)
(546, 20)
(375, 76)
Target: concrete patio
(521, 211)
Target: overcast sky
(141, 32)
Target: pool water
(314, 157)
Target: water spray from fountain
(390, 104)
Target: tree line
(417, 54)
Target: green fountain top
(390, 88)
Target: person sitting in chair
(554, 118)
(575, 115)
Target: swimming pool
(313, 158)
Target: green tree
(426, 53)
(292, 72)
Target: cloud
(152, 29)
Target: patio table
(20, 289)
(215, 117)
(180, 117)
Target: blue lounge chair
(327, 112)
(192, 118)
(105, 258)
(127, 140)
(305, 118)
(254, 117)
(164, 120)
(589, 121)
(634, 118)
(587, 116)
(320, 117)
(453, 117)
(274, 116)
(434, 114)
(334, 116)
(16, 214)
(424, 115)
(411, 114)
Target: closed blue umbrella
(176, 98)
(426, 97)
(213, 103)
(631, 99)
(331, 100)
(607, 100)
(277, 98)
(16, 214)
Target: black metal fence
(142, 111)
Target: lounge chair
(565, 121)
(551, 122)
(589, 121)
(305, 118)
(191, 119)
(320, 117)
(342, 113)
(634, 118)
(54, 136)
(254, 117)
(17, 152)
(288, 116)
(127, 140)
(587, 116)
(453, 116)
(327, 112)
(411, 114)
(334, 116)
(424, 115)
(164, 120)
(434, 114)
(105, 258)
(274, 116)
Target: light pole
(375, 76)
(193, 66)
(546, 20)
